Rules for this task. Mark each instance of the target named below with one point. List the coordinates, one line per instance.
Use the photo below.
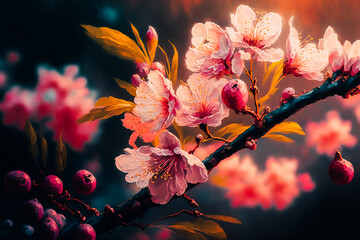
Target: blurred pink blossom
(165, 169)
(306, 61)
(211, 52)
(256, 33)
(17, 106)
(3, 79)
(201, 100)
(58, 101)
(156, 101)
(278, 185)
(12, 57)
(329, 135)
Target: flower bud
(288, 94)
(142, 69)
(151, 35)
(341, 171)
(235, 95)
(158, 66)
(136, 80)
(199, 138)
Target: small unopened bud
(158, 66)
(199, 138)
(288, 94)
(251, 144)
(136, 80)
(142, 69)
(108, 211)
(151, 35)
(235, 95)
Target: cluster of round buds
(235, 95)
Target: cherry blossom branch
(253, 89)
(141, 202)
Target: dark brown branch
(141, 202)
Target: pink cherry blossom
(17, 106)
(330, 135)
(256, 33)
(3, 79)
(211, 52)
(341, 57)
(156, 101)
(306, 61)
(165, 169)
(278, 185)
(201, 100)
(141, 129)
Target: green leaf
(224, 218)
(174, 66)
(116, 43)
(140, 42)
(234, 129)
(278, 137)
(44, 151)
(131, 89)
(61, 156)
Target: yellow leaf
(278, 137)
(174, 66)
(110, 107)
(268, 70)
(287, 127)
(224, 218)
(218, 180)
(180, 132)
(116, 43)
(274, 82)
(167, 60)
(155, 142)
(234, 129)
(140, 42)
(184, 232)
(131, 89)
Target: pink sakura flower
(278, 184)
(165, 169)
(341, 57)
(329, 135)
(201, 100)
(3, 79)
(211, 52)
(306, 61)
(17, 106)
(141, 129)
(156, 102)
(256, 33)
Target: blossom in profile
(165, 169)
(255, 33)
(156, 102)
(17, 106)
(140, 129)
(329, 135)
(278, 185)
(201, 102)
(211, 52)
(303, 61)
(341, 57)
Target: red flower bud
(235, 95)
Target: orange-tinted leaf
(207, 227)
(116, 43)
(274, 83)
(151, 46)
(140, 42)
(180, 132)
(184, 232)
(44, 151)
(61, 156)
(269, 70)
(278, 137)
(287, 127)
(30, 132)
(131, 89)
(224, 218)
(174, 66)
(218, 180)
(167, 60)
(234, 129)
